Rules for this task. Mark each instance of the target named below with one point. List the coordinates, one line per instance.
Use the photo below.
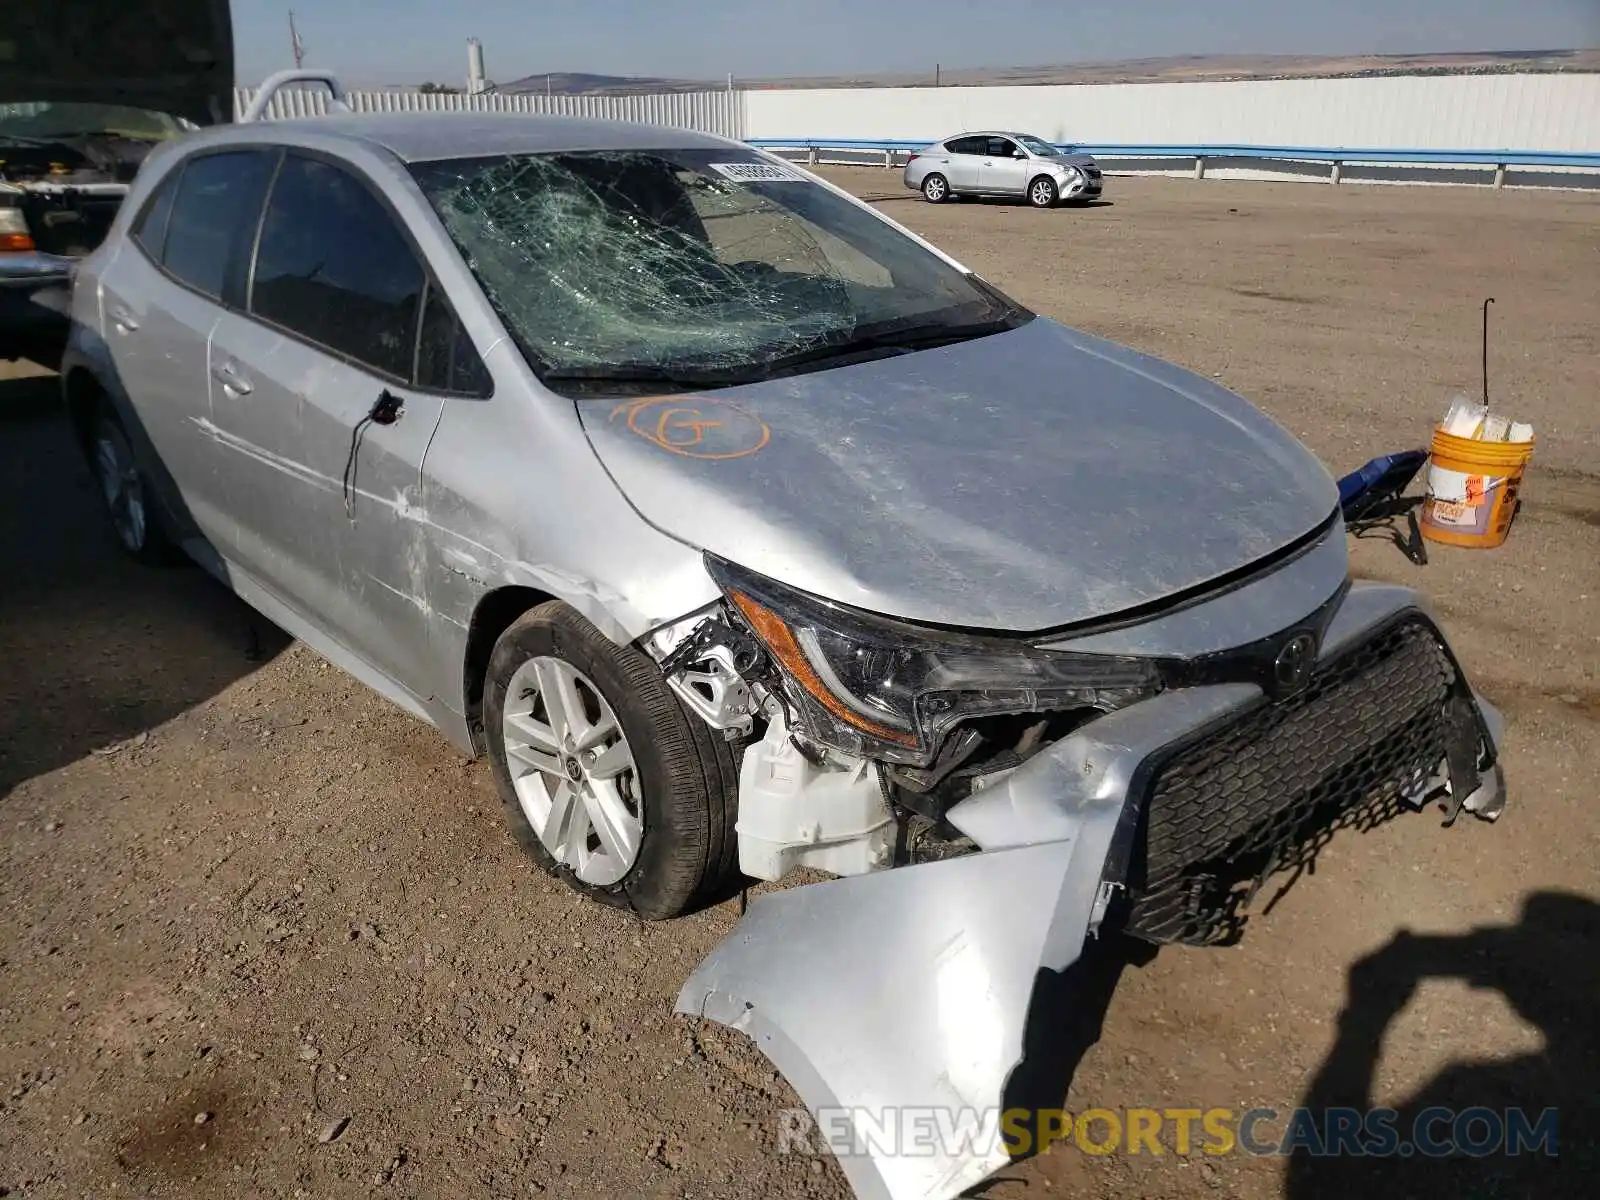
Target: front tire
(609, 783)
(1042, 193)
(936, 189)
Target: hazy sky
(407, 41)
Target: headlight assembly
(881, 688)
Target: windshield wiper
(903, 338)
(626, 374)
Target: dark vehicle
(87, 88)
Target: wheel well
(1047, 179)
(493, 616)
(84, 398)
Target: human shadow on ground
(1547, 966)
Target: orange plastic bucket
(1472, 490)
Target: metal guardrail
(1337, 156)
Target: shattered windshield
(694, 266)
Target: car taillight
(14, 233)
(912, 157)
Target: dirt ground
(263, 935)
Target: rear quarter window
(150, 227)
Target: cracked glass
(604, 263)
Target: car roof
(419, 137)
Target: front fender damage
(902, 989)
(912, 989)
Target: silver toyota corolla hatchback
(744, 531)
(1015, 165)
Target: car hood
(1023, 481)
(1074, 160)
(171, 56)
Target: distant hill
(1185, 68)
(576, 83)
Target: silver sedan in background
(1002, 164)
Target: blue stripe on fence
(1349, 154)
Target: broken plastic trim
(926, 985)
(914, 987)
(714, 668)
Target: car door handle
(228, 376)
(123, 319)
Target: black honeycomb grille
(1265, 793)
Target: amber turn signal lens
(772, 630)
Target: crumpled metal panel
(1022, 481)
(900, 989)
(914, 987)
(1245, 613)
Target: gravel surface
(261, 934)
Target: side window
(150, 229)
(217, 200)
(1001, 148)
(447, 361)
(965, 145)
(333, 267)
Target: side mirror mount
(1019, 154)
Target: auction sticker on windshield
(750, 172)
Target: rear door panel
(156, 334)
(962, 171)
(160, 302)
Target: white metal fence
(720, 112)
(1535, 130)
(1531, 112)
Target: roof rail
(277, 81)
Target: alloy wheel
(572, 770)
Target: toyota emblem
(1292, 668)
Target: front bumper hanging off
(915, 989)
